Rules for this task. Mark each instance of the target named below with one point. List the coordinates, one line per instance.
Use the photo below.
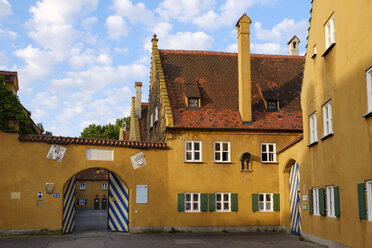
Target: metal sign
(40, 194)
(56, 195)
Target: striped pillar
(68, 222)
(294, 182)
(118, 217)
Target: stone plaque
(99, 154)
(56, 152)
(138, 160)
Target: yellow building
(335, 152)
(91, 189)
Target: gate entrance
(80, 193)
(294, 182)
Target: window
(104, 186)
(82, 201)
(223, 202)
(314, 51)
(193, 102)
(156, 113)
(193, 151)
(369, 89)
(316, 201)
(82, 186)
(369, 199)
(329, 28)
(313, 129)
(265, 202)
(192, 202)
(331, 201)
(327, 118)
(272, 105)
(221, 151)
(268, 153)
(152, 120)
(294, 44)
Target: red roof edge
(291, 143)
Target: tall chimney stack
(244, 68)
(138, 86)
(293, 46)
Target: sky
(77, 60)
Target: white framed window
(313, 128)
(330, 35)
(152, 120)
(331, 201)
(268, 152)
(82, 201)
(221, 151)
(327, 118)
(316, 201)
(265, 202)
(193, 102)
(104, 186)
(193, 151)
(369, 89)
(192, 202)
(314, 51)
(82, 186)
(156, 113)
(223, 202)
(369, 199)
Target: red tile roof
(91, 174)
(90, 141)
(10, 76)
(291, 143)
(278, 77)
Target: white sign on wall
(99, 154)
(141, 194)
(138, 160)
(56, 152)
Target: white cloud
(88, 23)
(233, 48)
(116, 27)
(134, 13)
(122, 50)
(104, 59)
(79, 60)
(46, 99)
(7, 33)
(269, 48)
(3, 57)
(5, 8)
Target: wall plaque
(99, 154)
(138, 160)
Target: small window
(82, 186)
(314, 51)
(331, 201)
(152, 120)
(221, 151)
(193, 150)
(193, 102)
(369, 199)
(192, 202)
(313, 128)
(156, 113)
(294, 44)
(223, 202)
(327, 118)
(272, 105)
(369, 89)
(268, 152)
(329, 28)
(82, 201)
(104, 186)
(316, 201)
(265, 202)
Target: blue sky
(77, 60)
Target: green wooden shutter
(361, 201)
(212, 202)
(337, 201)
(276, 202)
(234, 202)
(181, 202)
(254, 202)
(204, 202)
(322, 210)
(311, 209)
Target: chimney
(293, 46)
(244, 68)
(138, 86)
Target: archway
(117, 212)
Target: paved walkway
(88, 220)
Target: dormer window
(272, 105)
(294, 44)
(193, 102)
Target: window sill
(246, 170)
(273, 162)
(270, 211)
(313, 56)
(192, 212)
(326, 136)
(328, 49)
(223, 211)
(369, 114)
(222, 162)
(312, 144)
(194, 162)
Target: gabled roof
(275, 77)
(92, 174)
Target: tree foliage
(109, 131)
(11, 109)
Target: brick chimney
(244, 68)
(138, 86)
(293, 46)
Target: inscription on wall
(99, 154)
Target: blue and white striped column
(295, 199)
(118, 217)
(68, 222)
